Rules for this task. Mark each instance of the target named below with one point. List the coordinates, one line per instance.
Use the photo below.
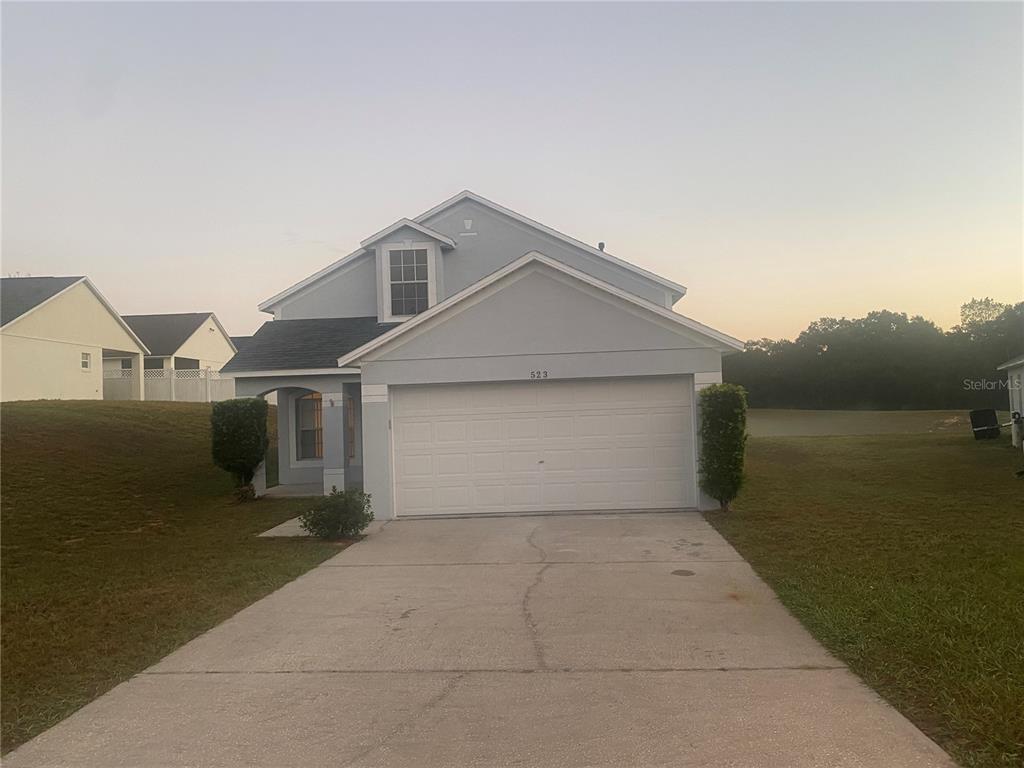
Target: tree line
(885, 361)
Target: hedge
(723, 432)
(239, 432)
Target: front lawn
(904, 556)
(121, 541)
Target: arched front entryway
(318, 440)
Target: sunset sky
(783, 161)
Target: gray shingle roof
(164, 334)
(240, 341)
(20, 294)
(302, 344)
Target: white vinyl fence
(185, 385)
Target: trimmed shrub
(723, 432)
(239, 431)
(340, 515)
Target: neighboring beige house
(54, 335)
(186, 353)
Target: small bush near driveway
(340, 515)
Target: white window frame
(311, 461)
(384, 272)
(86, 362)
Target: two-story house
(473, 361)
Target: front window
(86, 361)
(309, 430)
(409, 280)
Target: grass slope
(121, 541)
(904, 555)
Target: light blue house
(473, 361)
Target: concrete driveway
(599, 640)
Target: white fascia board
(1011, 363)
(268, 305)
(466, 194)
(291, 372)
(535, 256)
(433, 234)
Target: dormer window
(410, 281)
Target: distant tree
(977, 312)
(885, 360)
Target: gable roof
(678, 291)
(304, 344)
(240, 341)
(427, 231)
(164, 334)
(18, 295)
(723, 340)
(25, 299)
(466, 194)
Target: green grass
(904, 556)
(774, 422)
(121, 541)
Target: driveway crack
(446, 689)
(531, 621)
(535, 545)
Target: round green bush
(339, 515)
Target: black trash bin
(985, 424)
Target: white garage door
(543, 446)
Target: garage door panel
(411, 432)
(665, 422)
(452, 464)
(417, 466)
(490, 462)
(524, 495)
(522, 428)
(454, 497)
(556, 427)
(639, 458)
(669, 458)
(595, 458)
(549, 445)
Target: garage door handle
(541, 461)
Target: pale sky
(783, 161)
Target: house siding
(41, 369)
(500, 240)
(208, 345)
(356, 290)
(349, 292)
(41, 351)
